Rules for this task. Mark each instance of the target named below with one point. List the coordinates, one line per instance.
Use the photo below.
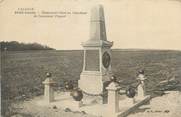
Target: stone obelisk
(97, 56)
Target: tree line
(17, 46)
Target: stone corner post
(113, 97)
(141, 87)
(48, 89)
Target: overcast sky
(143, 24)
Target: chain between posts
(101, 94)
(104, 93)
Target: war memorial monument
(98, 92)
(127, 78)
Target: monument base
(92, 82)
(91, 100)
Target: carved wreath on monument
(106, 59)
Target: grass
(24, 71)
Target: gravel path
(28, 109)
(168, 105)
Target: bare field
(23, 72)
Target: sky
(138, 24)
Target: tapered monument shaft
(97, 24)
